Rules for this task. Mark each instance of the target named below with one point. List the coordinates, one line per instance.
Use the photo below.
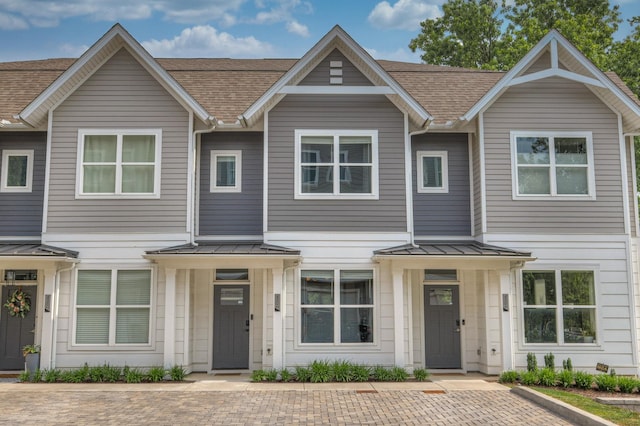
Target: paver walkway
(215, 403)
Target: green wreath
(18, 304)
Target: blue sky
(37, 29)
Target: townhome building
(237, 214)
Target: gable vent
(335, 72)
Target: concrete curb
(569, 412)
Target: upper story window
(559, 306)
(226, 171)
(432, 171)
(553, 164)
(350, 155)
(17, 170)
(119, 163)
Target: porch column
(398, 316)
(278, 315)
(170, 318)
(187, 315)
(506, 306)
(47, 312)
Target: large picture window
(553, 165)
(113, 307)
(336, 306)
(559, 307)
(16, 170)
(323, 155)
(119, 163)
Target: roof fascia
(553, 39)
(148, 62)
(336, 33)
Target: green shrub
(627, 384)
(81, 375)
(550, 361)
(360, 373)
(24, 376)
(258, 375)
(342, 371)
(321, 372)
(532, 362)
(529, 378)
(583, 380)
(67, 376)
(547, 377)
(398, 374)
(271, 375)
(303, 374)
(509, 376)
(51, 376)
(567, 365)
(133, 375)
(156, 374)
(381, 374)
(606, 382)
(421, 374)
(177, 373)
(565, 378)
(285, 375)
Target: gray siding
(232, 213)
(388, 213)
(552, 104)
(632, 184)
(443, 214)
(477, 188)
(21, 212)
(351, 76)
(121, 94)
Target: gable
(335, 69)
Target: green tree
(467, 35)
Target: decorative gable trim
(599, 83)
(110, 43)
(336, 38)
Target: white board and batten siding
(120, 95)
(607, 257)
(552, 104)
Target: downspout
(56, 292)
(195, 143)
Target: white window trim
(373, 134)
(591, 179)
(336, 344)
(80, 194)
(6, 153)
(557, 270)
(237, 155)
(443, 155)
(112, 346)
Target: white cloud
(401, 55)
(72, 51)
(10, 22)
(297, 28)
(50, 13)
(206, 41)
(404, 14)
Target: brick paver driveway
(182, 407)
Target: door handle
(246, 324)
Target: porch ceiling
(473, 249)
(35, 249)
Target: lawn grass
(616, 415)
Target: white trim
(191, 155)
(444, 172)
(552, 166)
(335, 164)
(213, 170)
(483, 175)
(229, 238)
(472, 212)
(47, 172)
(6, 153)
(265, 175)
(624, 177)
(337, 90)
(632, 158)
(408, 176)
(119, 133)
(554, 72)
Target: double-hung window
(119, 163)
(553, 164)
(226, 171)
(113, 307)
(559, 306)
(16, 170)
(432, 171)
(336, 164)
(336, 306)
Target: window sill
(114, 348)
(117, 197)
(554, 197)
(350, 197)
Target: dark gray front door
(442, 326)
(15, 332)
(231, 327)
